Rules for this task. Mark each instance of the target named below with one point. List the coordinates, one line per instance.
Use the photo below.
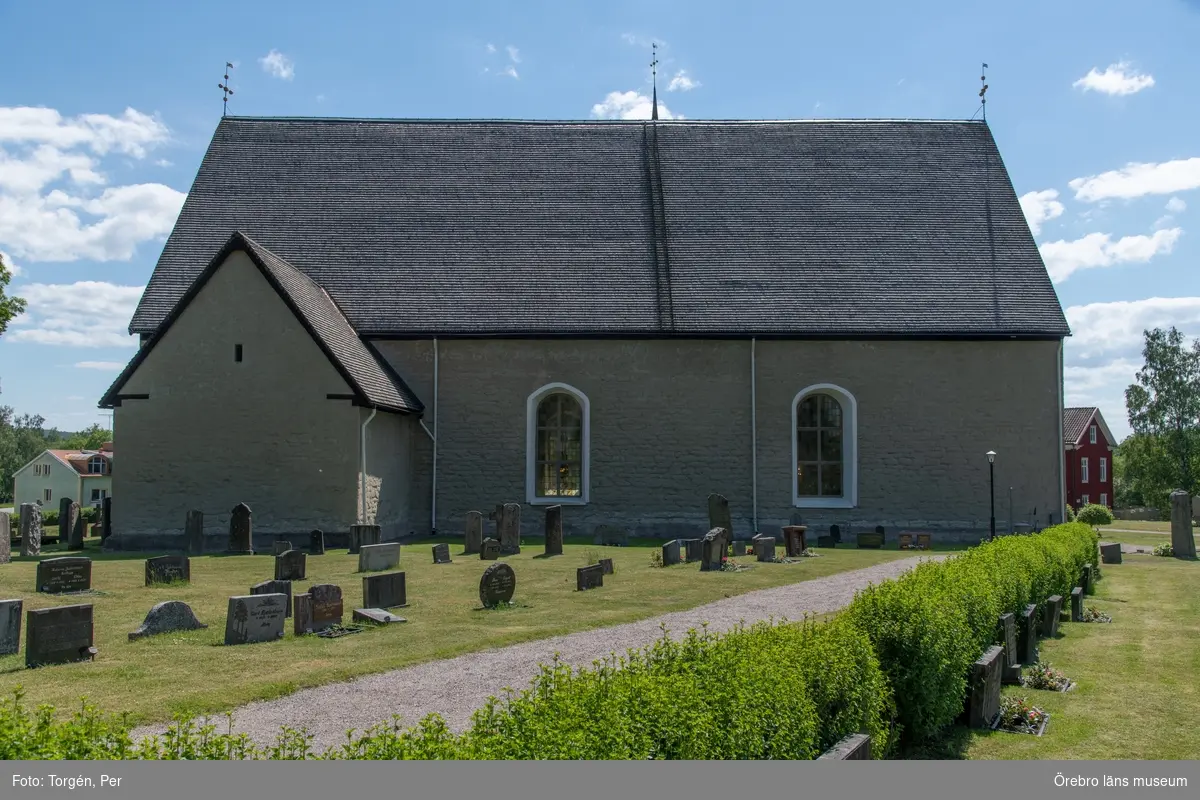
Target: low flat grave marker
(275, 587)
(473, 535)
(168, 617)
(291, 565)
(385, 591)
(489, 550)
(925, 541)
(168, 569)
(871, 541)
(64, 574)
(378, 557)
(589, 577)
(10, 626)
(497, 585)
(985, 688)
(441, 553)
(375, 616)
(670, 553)
(59, 635)
(255, 618)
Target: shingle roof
(818, 228)
(372, 381)
(1075, 423)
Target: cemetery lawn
(1136, 696)
(156, 678)
(1150, 526)
(1147, 540)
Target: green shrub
(49, 516)
(1095, 514)
(90, 514)
(1070, 517)
(87, 734)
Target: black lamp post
(992, 483)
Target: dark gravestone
(168, 617)
(66, 574)
(1077, 604)
(193, 530)
(316, 543)
(105, 518)
(589, 577)
(327, 606)
(1012, 661)
(906, 541)
(489, 550)
(794, 540)
(764, 548)
(280, 546)
(606, 564)
(473, 535)
(712, 550)
(855, 747)
(611, 536)
(925, 541)
(5, 537)
(256, 618)
(509, 529)
(718, 514)
(10, 626)
(739, 547)
(826, 541)
(1087, 581)
(554, 531)
(693, 550)
(302, 614)
(1183, 545)
(441, 553)
(385, 591)
(70, 524)
(985, 688)
(240, 530)
(670, 553)
(1050, 616)
(1027, 636)
(1110, 553)
(59, 635)
(497, 585)
(871, 541)
(835, 532)
(275, 587)
(363, 534)
(291, 565)
(30, 523)
(168, 569)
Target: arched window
(558, 443)
(824, 448)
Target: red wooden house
(1089, 444)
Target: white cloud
(132, 133)
(491, 48)
(1139, 180)
(105, 366)
(162, 162)
(514, 54)
(277, 65)
(511, 72)
(630, 105)
(81, 314)
(1064, 258)
(682, 82)
(1176, 205)
(13, 268)
(1117, 79)
(1040, 207)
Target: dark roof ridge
(631, 122)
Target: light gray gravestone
(378, 557)
(10, 626)
(255, 618)
(30, 523)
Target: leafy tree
(1094, 514)
(10, 307)
(90, 438)
(1165, 402)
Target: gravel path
(456, 687)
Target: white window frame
(1103, 499)
(47, 495)
(1083, 470)
(1092, 435)
(96, 460)
(849, 498)
(1087, 499)
(1103, 470)
(531, 406)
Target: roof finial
(654, 81)
(983, 92)
(225, 90)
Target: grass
(158, 677)
(1156, 526)
(1136, 695)
(1147, 540)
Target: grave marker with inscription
(712, 550)
(168, 569)
(385, 591)
(291, 565)
(255, 618)
(489, 550)
(473, 536)
(59, 635)
(441, 553)
(326, 600)
(589, 577)
(497, 585)
(64, 574)
(275, 587)
(241, 541)
(10, 626)
(378, 557)
(794, 541)
(509, 529)
(302, 614)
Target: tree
(90, 438)
(10, 307)
(1165, 402)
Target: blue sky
(106, 109)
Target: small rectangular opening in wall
(237, 352)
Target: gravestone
(385, 591)
(607, 565)
(489, 550)
(291, 565)
(509, 529)
(906, 541)
(275, 587)
(712, 550)
(59, 635)
(473, 536)
(441, 553)
(327, 606)
(739, 547)
(826, 541)
(280, 546)
(589, 578)
(1027, 636)
(611, 536)
(5, 537)
(1012, 662)
(378, 557)
(255, 618)
(105, 518)
(241, 539)
(871, 541)
(193, 532)
(316, 543)
(65, 574)
(855, 747)
(1110, 553)
(168, 617)
(168, 569)
(363, 535)
(302, 614)
(764, 548)
(985, 688)
(794, 543)
(375, 616)
(1182, 543)
(30, 523)
(836, 532)
(670, 553)
(693, 550)
(554, 531)
(497, 585)
(925, 541)
(10, 626)
(1077, 604)
(718, 514)
(70, 524)
(1088, 580)
(1050, 616)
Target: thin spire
(225, 90)
(983, 92)
(654, 81)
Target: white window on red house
(1092, 434)
(1083, 470)
(1103, 499)
(1086, 499)
(1103, 470)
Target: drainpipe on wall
(433, 438)
(362, 475)
(1062, 454)
(754, 433)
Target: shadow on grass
(951, 746)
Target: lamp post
(992, 485)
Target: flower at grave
(1164, 549)
(1044, 676)
(1093, 614)
(1017, 713)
